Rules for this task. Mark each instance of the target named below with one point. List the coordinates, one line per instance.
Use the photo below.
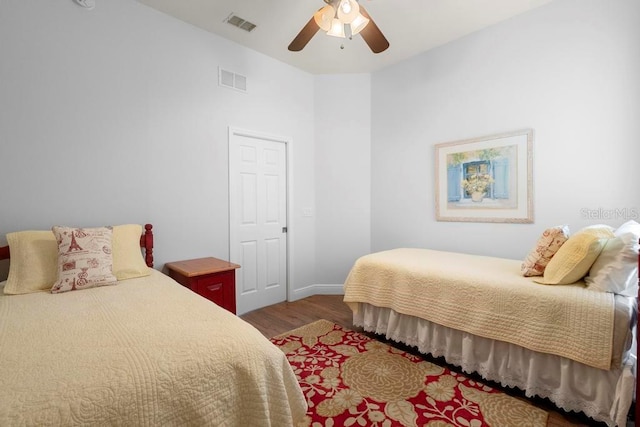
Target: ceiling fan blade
(372, 35)
(303, 37)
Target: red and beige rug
(350, 379)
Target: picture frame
(486, 179)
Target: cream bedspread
(144, 352)
(488, 297)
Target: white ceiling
(411, 26)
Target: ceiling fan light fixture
(358, 24)
(341, 18)
(337, 28)
(324, 16)
(348, 10)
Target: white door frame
(234, 131)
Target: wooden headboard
(146, 242)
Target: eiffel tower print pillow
(85, 258)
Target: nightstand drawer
(219, 288)
(212, 278)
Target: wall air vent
(232, 80)
(243, 24)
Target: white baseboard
(311, 290)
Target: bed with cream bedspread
(146, 351)
(497, 302)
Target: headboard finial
(148, 244)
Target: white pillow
(630, 226)
(616, 268)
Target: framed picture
(487, 179)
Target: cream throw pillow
(546, 247)
(574, 258)
(84, 258)
(127, 255)
(34, 262)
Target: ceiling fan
(342, 18)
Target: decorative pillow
(127, 255)
(616, 269)
(84, 258)
(34, 262)
(574, 258)
(546, 247)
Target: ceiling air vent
(243, 24)
(232, 80)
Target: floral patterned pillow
(546, 247)
(84, 258)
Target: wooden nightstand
(212, 278)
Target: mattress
(146, 351)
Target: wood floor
(279, 318)
(283, 317)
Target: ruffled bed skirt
(602, 395)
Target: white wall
(569, 70)
(114, 115)
(343, 176)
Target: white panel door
(258, 218)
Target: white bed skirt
(602, 395)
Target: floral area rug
(350, 379)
